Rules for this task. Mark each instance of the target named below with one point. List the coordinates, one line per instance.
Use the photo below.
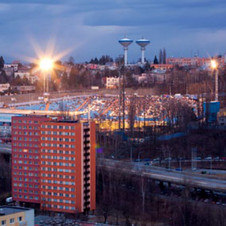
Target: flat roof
(7, 210)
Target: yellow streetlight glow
(213, 64)
(46, 64)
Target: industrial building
(53, 163)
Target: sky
(86, 29)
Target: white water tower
(142, 43)
(125, 42)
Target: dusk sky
(91, 28)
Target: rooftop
(6, 210)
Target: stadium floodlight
(46, 64)
(214, 66)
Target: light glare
(213, 64)
(46, 64)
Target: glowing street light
(214, 66)
(46, 65)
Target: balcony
(86, 185)
(86, 167)
(86, 178)
(86, 142)
(87, 154)
(87, 148)
(86, 136)
(87, 172)
(86, 191)
(86, 160)
(86, 197)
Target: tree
(160, 57)
(147, 67)
(64, 81)
(164, 56)
(71, 61)
(2, 62)
(3, 77)
(119, 60)
(156, 60)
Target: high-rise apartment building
(26, 158)
(63, 157)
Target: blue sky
(89, 28)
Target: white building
(14, 66)
(22, 74)
(112, 82)
(4, 87)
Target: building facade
(55, 169)
(194, 61)
(14, 216)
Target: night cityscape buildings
(53, 163)
(160, 119)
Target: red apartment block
(64, 165)
(26, 158)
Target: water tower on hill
(142, 43)
(125, 42)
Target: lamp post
(214, 66)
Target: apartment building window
(11, 221)
(20, 219)
(3, 222)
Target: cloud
(92, 27)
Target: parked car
(208, 158)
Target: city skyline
(88, 29)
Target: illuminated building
(53, 163)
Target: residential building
(194, 61)
(63, 162)
(26, 158)
(15, 216)
(13, 65)
(162, 66)
(112, 82)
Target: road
(153, 172)
(161, 174)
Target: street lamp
(214, 66)
(46, 65)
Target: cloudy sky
(90, 28)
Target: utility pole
(122, 98)
(123, 101)
(120, 101)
